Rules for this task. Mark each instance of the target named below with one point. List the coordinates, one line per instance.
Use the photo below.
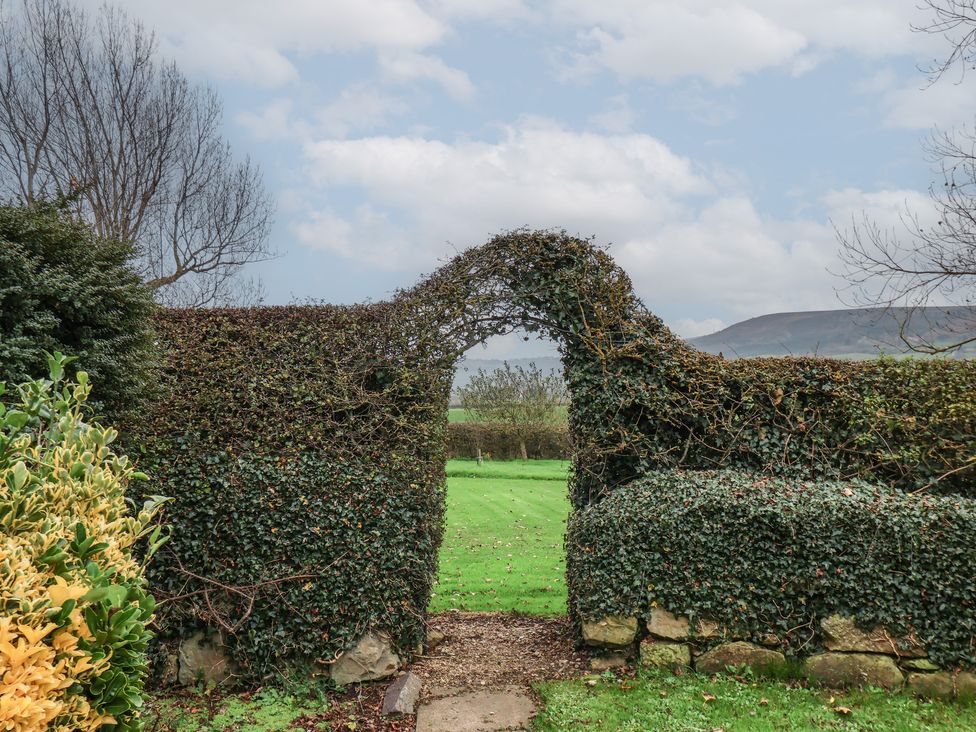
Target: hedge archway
(304, 445)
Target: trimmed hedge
(305, 449)
(774, 555)
(289, 435)
(464, 439)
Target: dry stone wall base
(610, 632)
(842, 634)
(200, 659)
(943, 685)
(739, 653)
(370, 659)
(854, 669)
(661, 654)
(609, 660)
(853, 657)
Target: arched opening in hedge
(305, 445)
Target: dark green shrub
(62, 288)
(774, 555)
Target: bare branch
(88, 111)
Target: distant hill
(863, 333)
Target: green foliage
(313, 486)
(524, 400)
(62, 288)
(71, 588)
(760, 555)
(663, 701)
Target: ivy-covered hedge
(773, 555)
(305, 450)
(305, 446)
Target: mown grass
(662, 701)
(503, 545)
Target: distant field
(457, 414)
(503, 545)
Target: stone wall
(847, 655)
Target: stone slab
(402, 695)
(612, 631)
(854, 669)
(739, 653)
(491, 710)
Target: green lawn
(503, 546)
(692, 702)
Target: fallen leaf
(708, 697)
(764, 702)
(842, 710)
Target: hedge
(74, 608)
(464, 439)
(777, 555)
(289, 434)
(305, 450)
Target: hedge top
(334, 377)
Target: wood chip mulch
(497, 649)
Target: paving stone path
(491, 710)
(478, 679)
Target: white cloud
(721, 41)
(252, 40)
(617, 117)
(274, 121)
(358, 108)
(684, 236)
(691, 328)
(503, 11)
(326, 230)
(915, 105)
(408, 66)
(537, 174)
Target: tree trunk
(522, 450)
(480, 460)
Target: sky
(713, 145)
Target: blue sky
(710, 142)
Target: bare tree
(921, 264)
(525, 400)
(89, 113)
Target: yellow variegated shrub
(73, 601)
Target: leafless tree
(90, 114)
(918, 264)
(525, 400)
